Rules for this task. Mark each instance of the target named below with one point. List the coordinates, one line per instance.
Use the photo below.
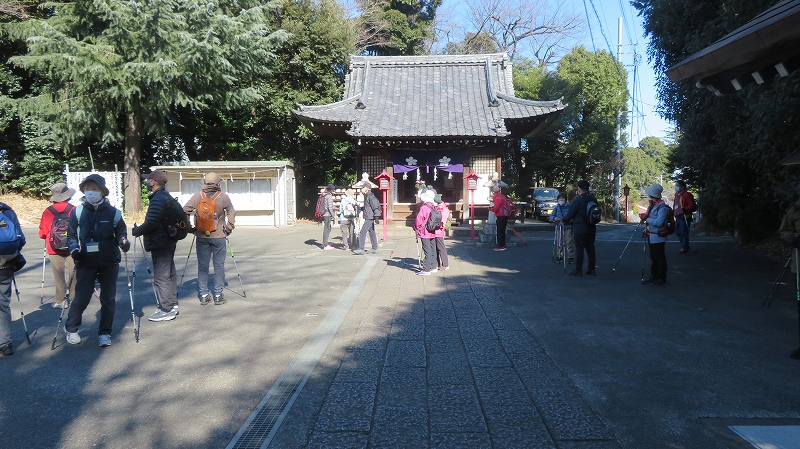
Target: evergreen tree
(406, 25)
(117, 70)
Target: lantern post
(384, 184)
(472, 185)
(626, 191)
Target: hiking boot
(220, 300)
(73, 338)
(500, 248)
(7, 349)
(591, 273)
(60, 305)
(205, 299)
(575, 273)
(105, 340)
(359, 252)
(162, 316)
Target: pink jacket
(422, 218)
(445, 216)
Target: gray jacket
(372, 207)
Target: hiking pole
(147, 265)
(797, 283)
(626, 247)
(230, 248)
(644, 251)
(514, 231)
(689, 233)
(419, 257)
(563, 250)
(187, 260)
(130, 293)
(44, 262)
(66, 304)
(776, 284)
(21, 313)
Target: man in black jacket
(96, 234)
(372, 214)
(582, 230)
(160, 245)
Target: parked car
(542, 201)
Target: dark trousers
(682, 231)
(210, 250)
(502, 223)
(584, 241)
(429, 249)
(165, 278)
(441, 252)
(5, 305)
(368, 227)
(658, 269)
(84, 290)
(327, 221)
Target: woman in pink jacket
(441, 250)
(427, 237)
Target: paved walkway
(501, 351)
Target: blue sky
(600, 32)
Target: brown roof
(429, 96)
(757, 51)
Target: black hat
(583, 184)
(330, 188)
(97, 179)
(680, 183)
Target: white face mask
(562, 202)
(93, 196)
(677, 188)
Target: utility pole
(617, 165)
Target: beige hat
(61, 192)
(212, 178)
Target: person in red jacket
(427, 237)
(502, 208)
(683, 206)
(62, 264)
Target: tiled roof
(429, 96)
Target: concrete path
(335, 350)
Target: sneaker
(359, 252)
(175, 309)
(591, 273)
(328, 248)
(683, 251)
(7, 349)
(162, 316)
(105, 340)
(444, 268)
(60, 305)
(205, 299)
(423, 273)
(500, 248)
(434, 270)
(220, 300)
(373, 251)
(73, 338)
(575, 273)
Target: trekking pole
(514, 231)
(230, 248)
(689, 233)
(21, 313)
(774, 289)
(130, 293)
(66, 304)
(419, 257)
(644, 251)
(147, 265)
(797, 284)
(44, 262)
(563, 250)
(187, 260)
(626, 247)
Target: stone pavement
(502, 350)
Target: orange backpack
(206, 214)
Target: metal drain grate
(263, 423)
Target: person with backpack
(348, 210)
(503, 208)
(155, 234)
(441, 249)
(53, 229)
(683, 206)
(426, 224)
(96, 234)
(372, 216)
(583, 215)
(11, 242)
(214, 221)
(656, 218)
(328, 212)
(559, 212)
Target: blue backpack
(9, 238)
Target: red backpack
(320, 210)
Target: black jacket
(101, 225)
(372, 207)
(577, 215)
(154, 229)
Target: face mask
(93, 196)
(562, 202)
(677, 188)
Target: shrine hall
(431, 120)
